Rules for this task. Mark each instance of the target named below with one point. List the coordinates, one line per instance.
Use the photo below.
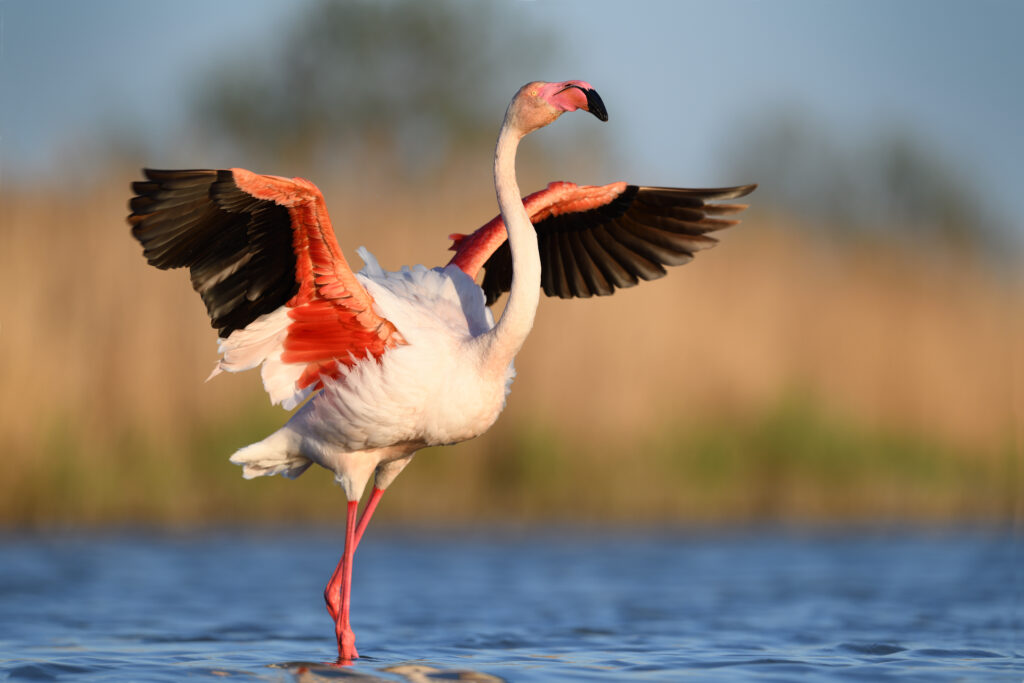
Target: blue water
(762, 604)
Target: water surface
(756, 604)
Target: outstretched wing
(264, 259)
(596, 239)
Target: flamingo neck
(503, 342)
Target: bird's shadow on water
(371, 669)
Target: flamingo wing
(596, 239)
(262, 248)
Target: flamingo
(398, 361)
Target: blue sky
(679, 78)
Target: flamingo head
(537, 104)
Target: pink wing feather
(596, 239)
(472, 251)
(256, 243)
(332, 314)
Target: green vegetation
(792, 463)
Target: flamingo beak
(594, 104)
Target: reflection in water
(307, 672)
(420, 673)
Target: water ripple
(764, 605)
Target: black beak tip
(595, 106)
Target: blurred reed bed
(780, 376)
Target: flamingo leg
(338, 589)
(338, 598)
(364, 519)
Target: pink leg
(338, 588)
(371, 505)
(342, 627)
(332, 594)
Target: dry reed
(103, 361)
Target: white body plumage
(433, 390)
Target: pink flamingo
(408, 359)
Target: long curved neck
(507, 337)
